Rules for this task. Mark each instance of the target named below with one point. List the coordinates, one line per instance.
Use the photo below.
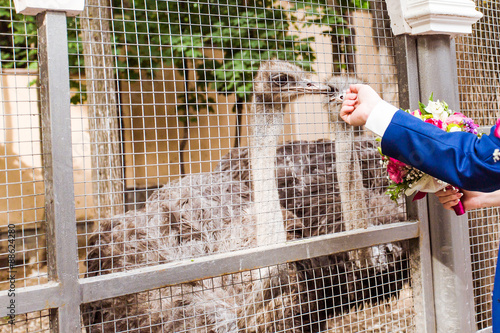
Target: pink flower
(396, 170)
(457, 118)
(395, 177)
(435, 122)
(497, 129)
(416, 113)
(459, 122)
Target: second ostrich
(382, 262)
(352, 193)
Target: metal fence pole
(58, 168)
(452, 271)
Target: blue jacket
(458, 158)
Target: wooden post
(103, 109)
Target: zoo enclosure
(127, 138)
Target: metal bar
(35, 298)
(452, 271)
(420, 256)
(58, 167)
(111, 285)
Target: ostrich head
(280, 82)
(338, 85)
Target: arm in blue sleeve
(458, 158)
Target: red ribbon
(497, 129)
(419, 195)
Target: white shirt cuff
(380, 117)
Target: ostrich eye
(281, 80)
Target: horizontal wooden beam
(31, 299)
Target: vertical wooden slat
(102, 100)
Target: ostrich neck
(352, 196)
(267, 127)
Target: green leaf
(422, 107)
(446, 107)
(33, 65)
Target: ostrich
(201, 214)
(354, 196)
(308, 188)
(354, 209)
(269, 102)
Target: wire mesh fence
(30, 322)
(22, 220)
(329, 293)
(203, 128)
(478, 74)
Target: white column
(34, 7)
(427, 17)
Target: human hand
(450, 197)
(359, 101)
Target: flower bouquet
(407, 180)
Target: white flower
(437, 109)
(496, 155)
(455, 129)
(427, 184)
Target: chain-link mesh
(478, 75)
(204, 127)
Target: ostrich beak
(337, 98)
(310, 87)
